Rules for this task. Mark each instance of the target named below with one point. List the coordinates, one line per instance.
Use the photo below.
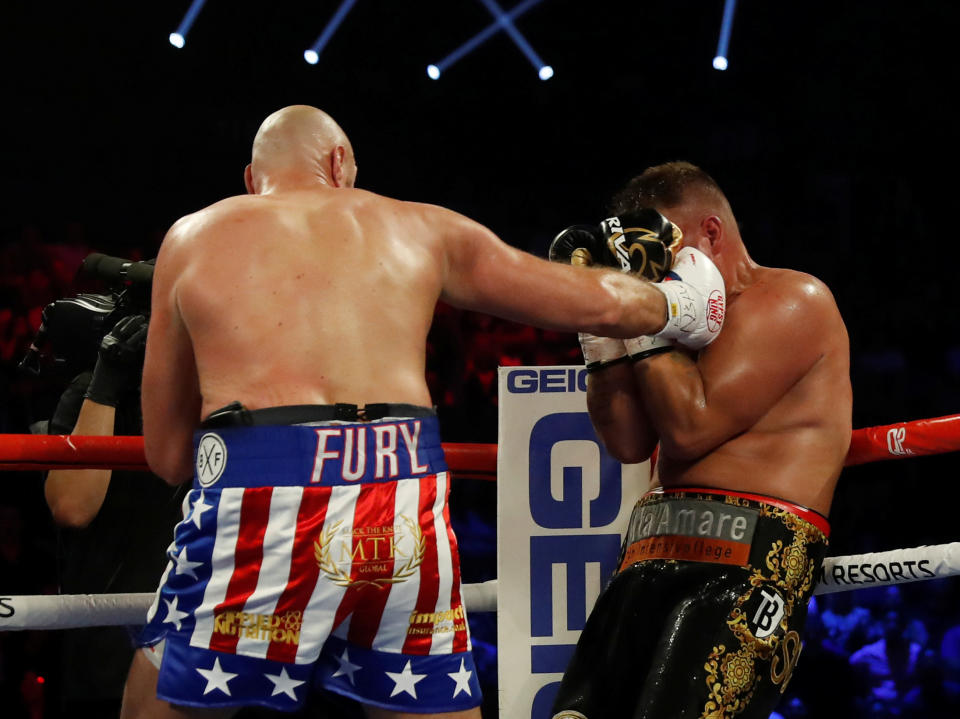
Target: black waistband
(236, 415)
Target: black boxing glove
(120, 361)
(583, 245)
(641, 242)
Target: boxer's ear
(248, 179)
(337, 174)
(712, 227)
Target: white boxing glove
(601, 352)
(696, 300)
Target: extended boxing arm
(487, 275)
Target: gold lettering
(359, 549)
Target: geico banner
(563, 506)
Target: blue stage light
(433, 72)
(518, 39)
(328, 31)
(546, 72)
(723, 44)
(484, 35)
(179, 38)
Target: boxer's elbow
(625, 442)
(168, 461)
(627, 453)
(69, 513)
(683, 444)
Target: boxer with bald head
(702, 620)
(285, 373)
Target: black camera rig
(71, 328)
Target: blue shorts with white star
(422, 684)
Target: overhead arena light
(312, 55)
(723, 44)
(503, 21)
(179, 38)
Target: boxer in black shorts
(704, 616)
(703, 619)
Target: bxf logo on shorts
(211, 459)
(768, 614)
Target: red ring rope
(477, 461)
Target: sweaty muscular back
(312, 296)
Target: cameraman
(115, 525)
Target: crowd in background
(871, 653)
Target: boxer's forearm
(677, 404)
(618, 415)
(75, 496)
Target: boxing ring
(539, 596)
(24, 452)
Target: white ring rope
(840, 574)
(70, 611)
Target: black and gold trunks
(703, 618)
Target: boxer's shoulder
(792, 288)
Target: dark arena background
(832, 130)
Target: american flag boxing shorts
(315, 556)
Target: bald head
(300, 146)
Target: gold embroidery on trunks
(368, 550)
(732, 676)
(785, 660)
(731, 681)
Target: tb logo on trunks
(691, 530)
(764, 612)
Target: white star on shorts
(405, 681)
(174, 615)
(199, 507)
(462, 678)
(216, 678)
(346, 668)
(184, 565)
(283, 684)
